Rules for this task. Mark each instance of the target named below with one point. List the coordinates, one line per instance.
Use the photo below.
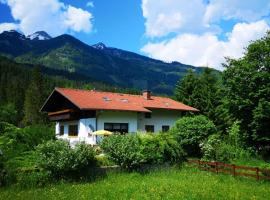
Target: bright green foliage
(191, 131)
(160, 148)
(123, 150)
(14, 141)
(133, 151)
(62, 161)
(8, 113)
(247, 93)
(228, 148)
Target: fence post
(257, 173)
(234, 173)
(216, 167)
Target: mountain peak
(14, 33)
(99, 46)
(39, 35)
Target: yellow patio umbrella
(102, 132)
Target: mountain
(98, 62)
(39, 35)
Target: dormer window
(124, 100)
(106, 99)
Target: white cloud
(90, 4)
(207, 49)
(51, 16)
(164, 17)
(247, 10)
(78, 19)
(8, 27)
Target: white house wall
(117, 117)
(158, 118)
(84, 130)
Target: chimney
(147, 94)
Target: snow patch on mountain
(99, 46)
(39, 35)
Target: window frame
(147, 127)
(167, 128)
(124, 127)
(76, 133)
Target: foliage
(160, 148)
(200, 91)
(227, 148)
(172, 184)
(191, 131)
(123, 150)
(247, 83)
(34, 97)
(14, 141)
(104, 160)
(8, 113)
(132, 151)
(62, 161)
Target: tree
(34, 97)
(200, 91)
(185, 88)
(190, 132)
(247, 92)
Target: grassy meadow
(185, 183)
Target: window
(149, 128)
(62, 130)
(73, 130)
(147, 115)
(165, 128)
(116, 127)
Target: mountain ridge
(99, 62)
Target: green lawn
(173, 184)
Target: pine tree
(34, 99)
(185, 88)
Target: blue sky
(197, 32)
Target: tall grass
(187, 183)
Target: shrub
(123, 150)
(160, 148)
(61, 161)
(133, 151)
(216, 148)
(191, 131)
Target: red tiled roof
(96, 100)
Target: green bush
(216, 148)
(61, 161)
(134, 150)
(191, 131)
(123, 150)
(14, 140)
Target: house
(78, 113)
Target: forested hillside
(24, 88)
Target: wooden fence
(234, 170)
